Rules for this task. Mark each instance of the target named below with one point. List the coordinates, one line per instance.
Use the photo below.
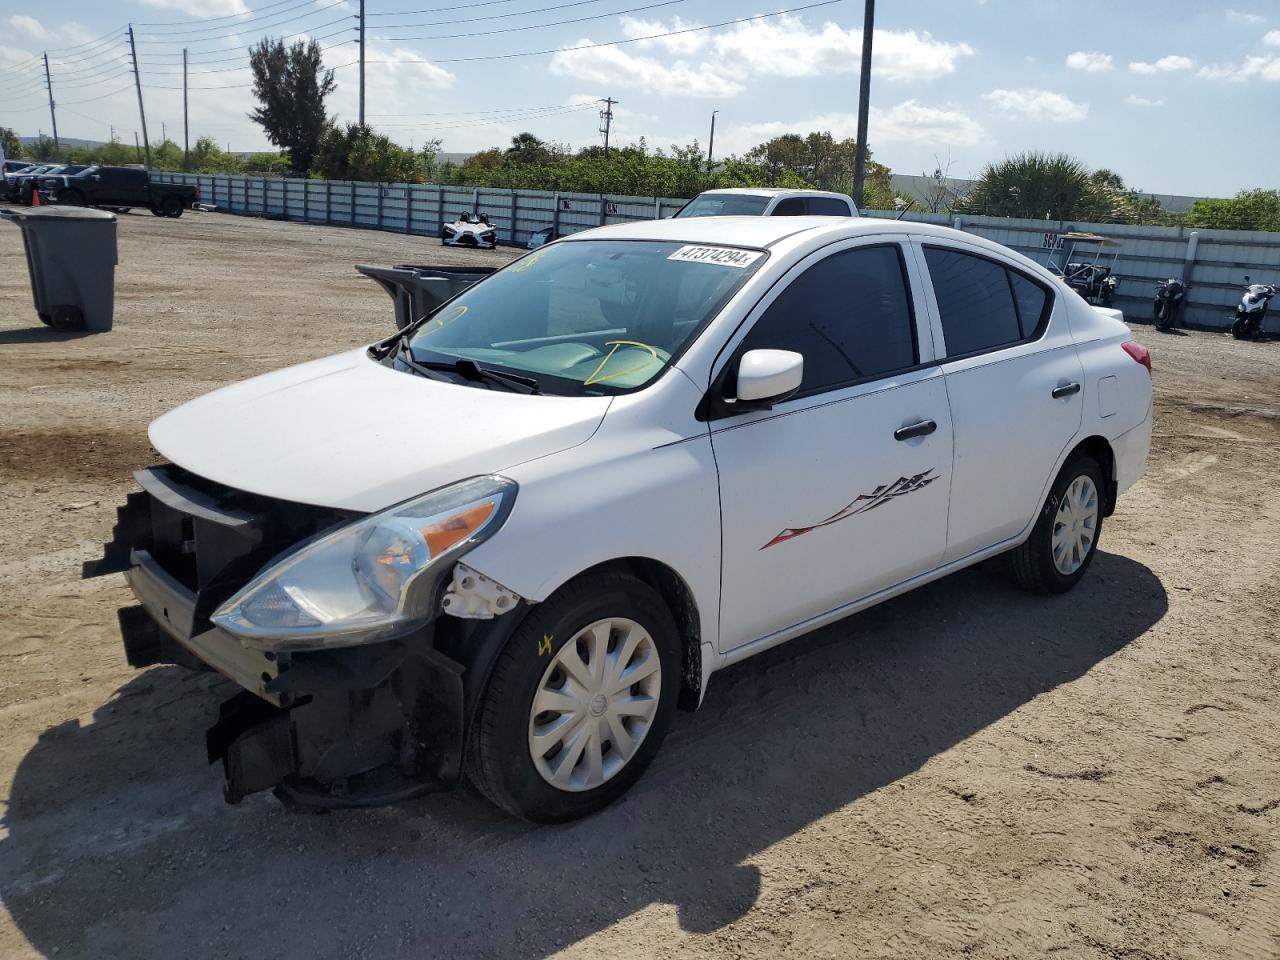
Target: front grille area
(211, 538)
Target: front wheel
(1163, 315)
(579, 700)
(71, 198)
(1240, 329)
(1065, 538)
(171, 207)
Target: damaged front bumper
(352, 726)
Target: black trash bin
(71, 256)
(417, 291)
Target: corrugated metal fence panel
(1147, 254)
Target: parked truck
(121, 187)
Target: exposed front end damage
(347, 726)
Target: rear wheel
(579, 701)
(171, 207)
(66, 319)
(1062, 544)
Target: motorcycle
(1170, 296)
(1252, 310)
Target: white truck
(512, 538)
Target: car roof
(742, 231)
(766, 232)
(774, 192)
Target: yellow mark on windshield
(453, 313)
(653, 358)
(525, 262)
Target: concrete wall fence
(1214, 262)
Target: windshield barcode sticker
(720, 256)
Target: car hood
(350, 433)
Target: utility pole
(48, 82)
(864, 99)
(137, 82)
(606, 116)
(711, 143)
(137, 146)
(164, 132)
(186, 135)
(362, 63)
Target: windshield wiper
(468, 369)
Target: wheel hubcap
(1075, 526)
(595, 704)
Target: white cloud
(1272, 39)
(28, 25)
(620, 68)
(908, 122)
(1237, 16)
(201, 8)
(1264, 67)
(1142, 102)
(1032, 104)
(1169, 64)
(723, 64)
(1089, 62)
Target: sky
(1176, 96)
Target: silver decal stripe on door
(862, 503)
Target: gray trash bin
(71, 256)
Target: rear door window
(975, 301)
(849, 315)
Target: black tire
(1031, 564)
(71, 198)
(1164, 316)
(499, 760)
(157, 212)
(1240, 329)
(66, 319)
(171, 206)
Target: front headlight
(370, 580)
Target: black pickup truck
(121, 188)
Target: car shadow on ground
(41, 334)
(117, 842)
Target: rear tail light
(197, 194)
(1139, 353)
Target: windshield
(588, 316)
(724, 205)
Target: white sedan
(512, 539)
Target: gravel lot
(963, 771)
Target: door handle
(1066, 390)
(921, 429)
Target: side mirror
(96, 178)
(766, 377)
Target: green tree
(354, 152)
(1032, 185)
(1247, 210)
(11, 143)
(291, 85)
(526, 148)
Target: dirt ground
(965, 771)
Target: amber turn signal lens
(443, 534)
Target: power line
(182, 36)
(616, 43)
(289, 36)
(225, 16)
(492, 16)
(540, 26)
